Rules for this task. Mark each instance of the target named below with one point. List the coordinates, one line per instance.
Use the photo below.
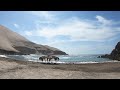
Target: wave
(62, 62)
(3, 56)
(65, 57)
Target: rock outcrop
(13, 43)
(115, 54)
(104, 56)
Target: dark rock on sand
(13, 43)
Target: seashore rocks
(114, 55)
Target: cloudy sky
(75, 32)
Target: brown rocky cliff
(114, 55)
(13, 43)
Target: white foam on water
(35, 58)
(110, 61)
(61, 62)
(64, 57)
(3, 56)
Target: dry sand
(12, 69)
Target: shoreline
(15, 69)
(61, 61)
(58, 62)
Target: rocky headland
(114, 55)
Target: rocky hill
(13, 43)
(115, 54)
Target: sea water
(86, 58)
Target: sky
(75, 32)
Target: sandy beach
(13, 69)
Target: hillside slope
(13, 43)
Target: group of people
(48, 58)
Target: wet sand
(13, 69)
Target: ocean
(86, 58)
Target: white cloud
(28, 33)
(103, 20)
(16, 25)
(77, 29)
(44, 16)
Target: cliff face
(13, 43)
(114, 55)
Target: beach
(14, 69)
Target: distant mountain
(13, 43)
